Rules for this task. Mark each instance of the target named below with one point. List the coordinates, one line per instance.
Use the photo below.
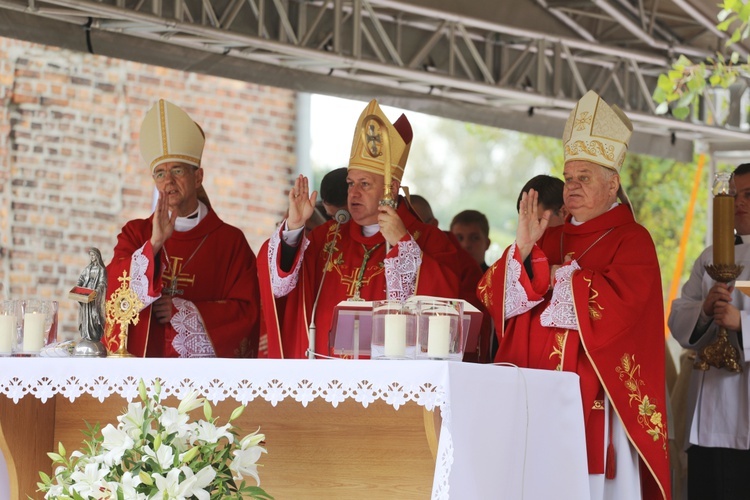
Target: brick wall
(71, 172)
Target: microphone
(341, 216)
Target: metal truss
(616, 47)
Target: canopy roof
(519, 64)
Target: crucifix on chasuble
(176, 277)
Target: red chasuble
(287, 325)
(216, 302)
(612, 335)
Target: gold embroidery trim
(560, 339)
(648, 417)
(592, 148)
(595, 310)
(598, 404)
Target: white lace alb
(192, 339)
(560, 313)
(139, 281)
(401, 271)
(282, 286)
(516, 300)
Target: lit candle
(723, 229)
(395, 335)
(438, 336)
(7, 332)
(33, 332)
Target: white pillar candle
(7, 331)
(33, 332)
(395, 335)
(438, 336)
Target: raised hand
(391, 226)
(531, 224)
(301, 205)
(162, 225)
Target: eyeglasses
(175, 172)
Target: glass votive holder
(439, 329)
(394, 330)
(8, 326)
(37, 325)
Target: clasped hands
(717, 305)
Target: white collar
(183, 224)
(577, 223)
(370, 230)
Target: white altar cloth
(506, 432)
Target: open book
(82, 294)
(351, 328)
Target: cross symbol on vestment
(177, 277)
(352, 283)
(373, 139)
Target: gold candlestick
(721, 353)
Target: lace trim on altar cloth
(401, 270)
(191, 340)
(560, 313)
(281, 286)
(516, 300)
(139, 282)
(54, 377)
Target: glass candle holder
(38, 322)
(8, 326)
(439, 329)
(394, 330)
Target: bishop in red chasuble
(384, 251)
(586, 297)
(194, 275)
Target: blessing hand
(301, 205)
(531, 224)
(162, 224)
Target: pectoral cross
(177, 277)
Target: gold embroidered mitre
(597, 133)
(168, 134)
(377, 142)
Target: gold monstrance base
(122, 308)
(720, 353)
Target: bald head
(423, 209)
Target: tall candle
(438, 336)
(395, 335)
(7, 332)
(33, 332)
(723, 229)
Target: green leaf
(736, 56)
(664, 83)
(736, 36)
(681, 113)
(723, 26)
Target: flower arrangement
(155, 452)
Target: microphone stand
(342, 217)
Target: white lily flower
(128, 484)
(116, 442)
(199, 482)
(170, 488)
(245, 461)
(132, 421)
(164, 456)
(190, 402)
(90, 482)
(209, 433)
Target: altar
(334, 429)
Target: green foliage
(684, 84)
